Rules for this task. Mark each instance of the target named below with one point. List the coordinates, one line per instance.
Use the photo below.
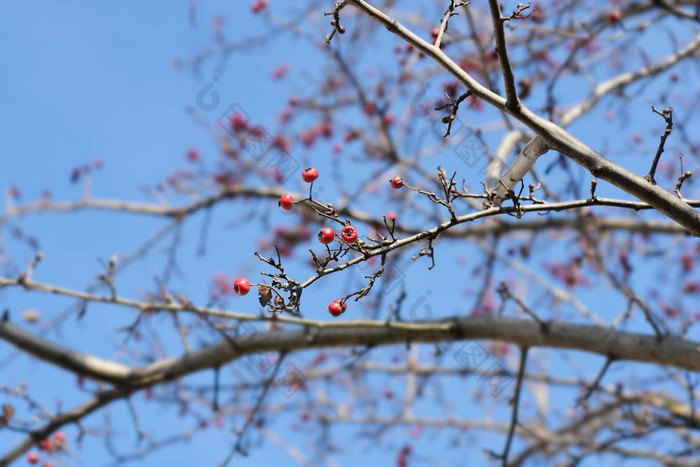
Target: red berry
(391, 215)
(434, 32)
(337, 307)
(15, 192)
(396, 182)
(259, 6)
(310, 174)
(238, 122)
(614, 16)
(326, 235)
(33, 458)
(286, 202)
(349, 234)
(241, 286)
(46, 445)
(193, 155)
(47, 464)
(60, 437)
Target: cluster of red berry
(326, 236)
(50, 446)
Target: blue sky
(80, 82)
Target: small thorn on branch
(684, 176)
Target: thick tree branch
(519, 168)
(555, 136)
(512, 101)
(670, 351)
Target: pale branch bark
(83, 364)
(677, 408)
(497, 226)
(375, 250)
(572, 434)
(449, 13)
(519, 168)
(555, 136)
(140, 208)
(370, 250)
(584, 427)
(670, 351)
(292, 451)
(500, 227)
(434, 232)
(498, 162)
(130, 379)
(559, 333)
(619, 82)
(102, 399)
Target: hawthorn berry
(46, 445)
(15, 192)
(310, 174)
(337, 307)
(33, 458)
(396, 182)
(391, 215)
(193, 155)
(241, 286)
(286, 202)
(60, 437)
(259, 6)
(326, 235)
(349, 234)
(238, 122)
(614, 16)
